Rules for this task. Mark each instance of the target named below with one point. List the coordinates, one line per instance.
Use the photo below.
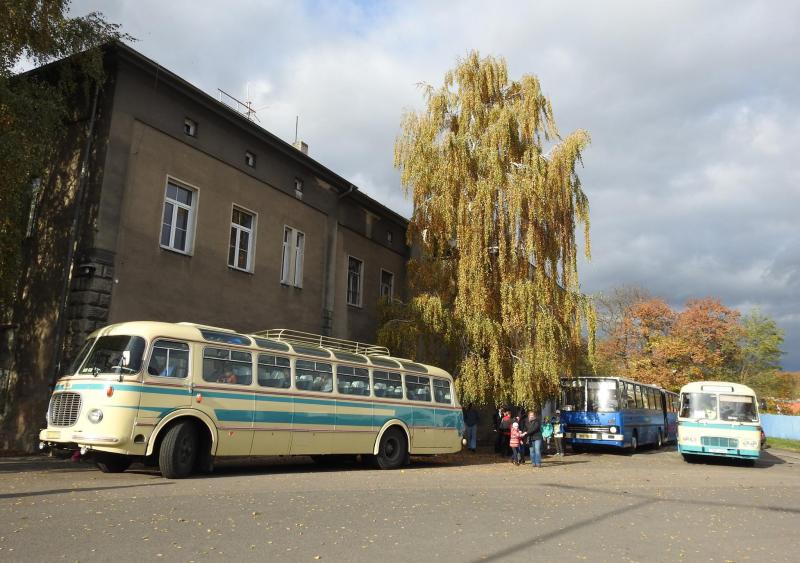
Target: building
(166, 204)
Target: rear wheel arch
(207, 432)
(394, 423)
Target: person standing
(558, 434)
(514, 440)
(534, 438)
(471, 420)
(498, 438)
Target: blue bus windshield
(591, 395)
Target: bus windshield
(601, 395)
(699, 406)
(738, 407)
(115, 354)
(573, 395)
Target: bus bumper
(598, 438)
(718, 452)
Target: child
(547, 433)
(514, 443)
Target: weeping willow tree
(497, 200)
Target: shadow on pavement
(83, 490)
(527, 544)
(765, 461)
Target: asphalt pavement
(597, 506)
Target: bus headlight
(613, 429)
(95, 416)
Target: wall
(781, 426)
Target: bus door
(167, 382)
(225, 394)
(272, 430)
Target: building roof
(161, 74)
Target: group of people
(520, 435)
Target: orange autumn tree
(654, 344)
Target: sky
(693, 174)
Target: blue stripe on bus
(325, 419)
(730, 453)
(718, 426)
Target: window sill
(284, 284)
(235, 269)
(174, 250)
(355, 306)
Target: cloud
(693, 107)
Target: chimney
(301, 146)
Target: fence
(781, 426)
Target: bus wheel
(392, 449)
(178, 451)
(112, 463)
(659, 441)
(634, 443)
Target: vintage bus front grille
(65, 408)
(714, 442)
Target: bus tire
(178, 452)
(659, 440)
(112, 463)
(634, 443)
(392, 450)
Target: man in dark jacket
(533, 436)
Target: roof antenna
(296, 125)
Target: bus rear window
(115, 354)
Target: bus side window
(631, 395)
(170, 358)
(441, 391)
(274, 371)
(623, 395)
(639, 402)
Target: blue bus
(612, 411)
(672, 405)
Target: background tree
(44, 117)
(760, 343)
(496, 203)
(33, 110)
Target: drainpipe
(58, 353)
(329, 299)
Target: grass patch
(784, 444)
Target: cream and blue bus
(718, 419)
(182, 395)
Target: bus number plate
(53, 434)
(718, 450)
(585, 436)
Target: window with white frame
(294, 243)
(177, 222)
(355, 276)
(240, 251)
(250, 159)
(387, 284)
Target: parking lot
(597, 506)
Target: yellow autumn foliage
(497, 200)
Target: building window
(387, 284)
(240, 251)
(298, 188)
(250, 159)
(177, 223)
(294, 242)
(355, 275)
(389, 237)
(190, 127)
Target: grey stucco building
(188, 211)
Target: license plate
(718, 450)
(585, 436)
(53, 434)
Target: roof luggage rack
(309, 339)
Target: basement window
(190, 127)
